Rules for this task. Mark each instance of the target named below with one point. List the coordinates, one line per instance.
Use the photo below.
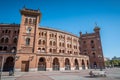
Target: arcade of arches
(46, 63)
(61, 64)
(54, 63)
(8, 64)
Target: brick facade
(35, 48)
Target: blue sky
(73, 16)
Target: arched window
(3, 31)
(92, 41)
(45, 34)
(34, 21)
(52, 35)
(42, 33)
(60, 44)
(70, 46)
(43, 49)
(55, 36)
(50, 42)
(13, 49)
(0, 48)
(15, 40)
(6, 40)
(59, 51)
(54, 43)
(50, 50)
(6, 31)
(27, 41)
(26, 20)
(2, 40)
(68, 52)
(15, 32)
(30, 21)
(39, 33)
(43, 42)
(93, 55)
(39, 48)
(39, 42)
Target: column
(47, 42)
(57, 41)
(32, 63)
(80, 65)
(49, 63)
(72, 63)
(61, 61)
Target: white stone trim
(48, 69)
(72, 68)
(17, 70)
(62, 69)
(86, 67)
(80, 68)
(32, 69)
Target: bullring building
(30, 47)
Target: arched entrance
(56, 65)
(95, 65)
(67, 64)
(83, 64)
(42, 64)
(76, 65)
(9, 64)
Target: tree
(107, 63)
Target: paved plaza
(112, 74)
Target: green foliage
(115, 62)
(107, 63)
(112, 63)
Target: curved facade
(36, 48)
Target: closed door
(25, 66)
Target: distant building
(106, 59)
(35, 48)
(116, 58)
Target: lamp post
(15, 59)
(2, 57)
(99, 56)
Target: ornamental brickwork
(30, 47)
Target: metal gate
(56, 67)
(76, 67)
(41, 68)
(67, 67)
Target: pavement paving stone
(112, 74)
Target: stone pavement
(112, 74)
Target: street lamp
(100, 66)
(15, 59)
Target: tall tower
(28, 31)
(27, 40)
(91, 46)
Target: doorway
(25, 66)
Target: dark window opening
(28, 41)
(6, 40)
